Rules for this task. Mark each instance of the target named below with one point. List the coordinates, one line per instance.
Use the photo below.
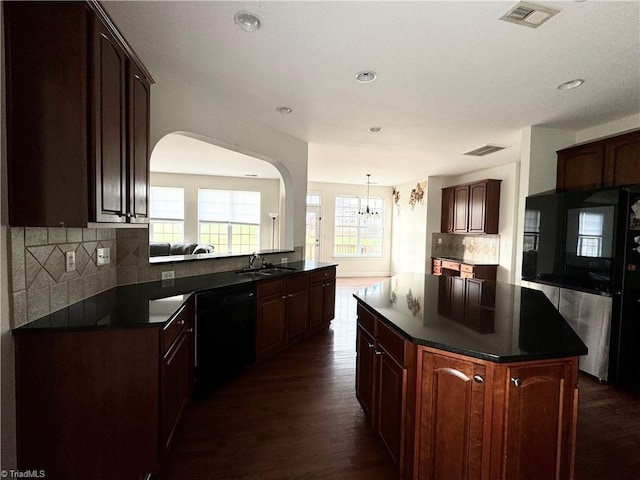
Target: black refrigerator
(587, 244)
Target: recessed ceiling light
(375, 129)
(284, 110)
(247, 21)
(366, 76)
(571, 84)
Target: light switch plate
(70, 264)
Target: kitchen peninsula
(102, 384)
(468, 378)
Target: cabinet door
(622, 160)
(297, 312)
(175, 388)
(580, 167)
(329, 300)
(453, 395)
(138, 144)
(477, 207)
(316, 305)
(365, 371)
(109, 73)
(539, 416)
(461, 208)
(446, 216)
(270, 325)
(392, 381)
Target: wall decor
(417, 194)
(396, 198)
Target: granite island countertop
(149, 304)
(493, 321)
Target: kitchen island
(468, 378)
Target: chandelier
(368, 211)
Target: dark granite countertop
(148, 304)
(493, 321)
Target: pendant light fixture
(368, 211)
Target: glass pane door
(312, 242)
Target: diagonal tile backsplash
(39, 283)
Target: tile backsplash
(39, 282)
(40, 285)
(470, 248)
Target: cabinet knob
(190, 330)
(517, 381)
(478, 378)
(370, 345)
(290, 295)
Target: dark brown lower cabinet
(385, 386)
(453, 396)
(87, 403)
(177, 380)
(322, 297)
(102, 404)
(478, 419)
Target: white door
(312, 243)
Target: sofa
(161, 249)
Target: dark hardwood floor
(295, 416)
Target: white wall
(269, 199)
(351, 266)
(409, 231)
(621, 125)
(179, 105)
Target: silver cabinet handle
(370, 345)
(190, 330)
(517, 381)
(478, 378)
(379, 352)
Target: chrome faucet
(254, 256)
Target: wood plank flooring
(296, 417)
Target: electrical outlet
(284, 260)
(104, 256)
(439, 241)
(70, 264)
(168, 275)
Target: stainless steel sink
(266, 271)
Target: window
(166, 223)
(590, 234)
(229, 220)
(358, 235)
(531, 230)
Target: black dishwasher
(225, 334)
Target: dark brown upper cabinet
(471, 208)
(610, 162)
(77, 117)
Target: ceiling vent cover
(485, 150)
(528, 14)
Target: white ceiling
(451, 75)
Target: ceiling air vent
(528, 14)
(485, 150)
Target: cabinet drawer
(391, 342)
(366, 320)
(450, 265)
(172, 329)
(436, 262)
(466, 268)
(464, 274)
(324, 274)
(437, 270)
(274, 287)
